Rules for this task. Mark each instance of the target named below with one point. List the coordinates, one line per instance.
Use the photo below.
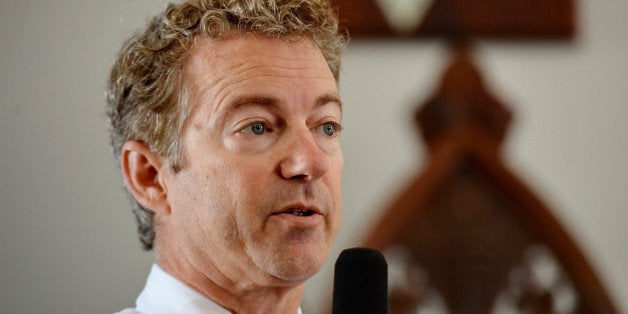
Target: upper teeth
(297, 212)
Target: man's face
(259, 194)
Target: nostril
(303, 176)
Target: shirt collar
(164, 293)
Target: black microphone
(360, 282)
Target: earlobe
(142, 169)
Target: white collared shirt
(164, 294)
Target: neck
(238, 295)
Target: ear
(143, 171)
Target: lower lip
(300, 221)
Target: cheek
(202, 193)
(211, 210)
(332, 148)
(335, 173)
(249, 175)
(247, 183)
(336, 188)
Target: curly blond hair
(146, 98)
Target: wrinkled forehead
(245, 65)
(238, 49)
(214, 66)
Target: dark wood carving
(466, 236)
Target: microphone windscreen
(360, 282)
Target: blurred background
(67, 236)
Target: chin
(297, 265)
(296, 272)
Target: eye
(330, 129)
(255, 128)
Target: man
(225, 118)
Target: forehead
(242, 45)
(213, 61)
(220, 72)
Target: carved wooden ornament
(466, 236)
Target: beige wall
(67, 238)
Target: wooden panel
(496, 19)
(466, 236)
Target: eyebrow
(264, 101)
(252, 100)
(325, 99)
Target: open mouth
(300, 212)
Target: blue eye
(330, 129)
(256, 128)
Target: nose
(304, 159)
